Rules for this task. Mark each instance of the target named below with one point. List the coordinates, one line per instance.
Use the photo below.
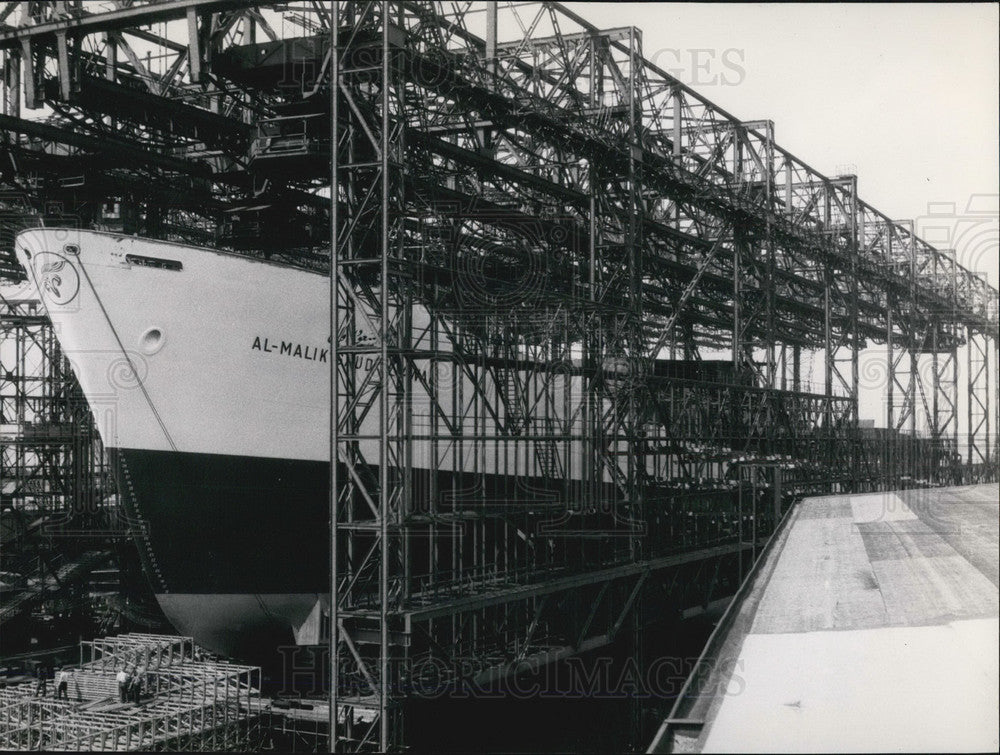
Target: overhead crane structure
(585, 232)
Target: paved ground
(875, 629)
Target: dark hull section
(237, 548)
(229, 524)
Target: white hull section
(201, 387)
(230, 355)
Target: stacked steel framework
(195, 704)
(541, 240)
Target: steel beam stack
(194, 704)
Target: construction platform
(870, 624)
(190, 701)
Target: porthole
(151, 341)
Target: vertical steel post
(978, 371)
(333, 635)
(384, 427)
(739, 252)
(829, 455)
(12, 86)
(856, 243)
(888, 470)
(491, 36)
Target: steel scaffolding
(192, 704)
(57, 508)
(53, 463)
(574, 304)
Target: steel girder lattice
(53, 460)
(541, 240)
(614, 263)
(57, 507)
(372, 413)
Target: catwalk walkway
(870, 625)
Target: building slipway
(871, 624)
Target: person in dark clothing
(136, 683)
(62, 691)
(42, 675)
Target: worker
(62, 691)
(131, 684)
(122, 678)
(41, 673)
(138, 682)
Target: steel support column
(371, 325)
(944, 374)
(978, 419)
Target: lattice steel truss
(53, 463)
(541, 240)
(58, 518)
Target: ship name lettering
(290, 349)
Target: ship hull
(237, 547)
(234, 546)
(208, 375)
(208, 378)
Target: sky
(904, 96)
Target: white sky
(905, 95)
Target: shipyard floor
(871, 624)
